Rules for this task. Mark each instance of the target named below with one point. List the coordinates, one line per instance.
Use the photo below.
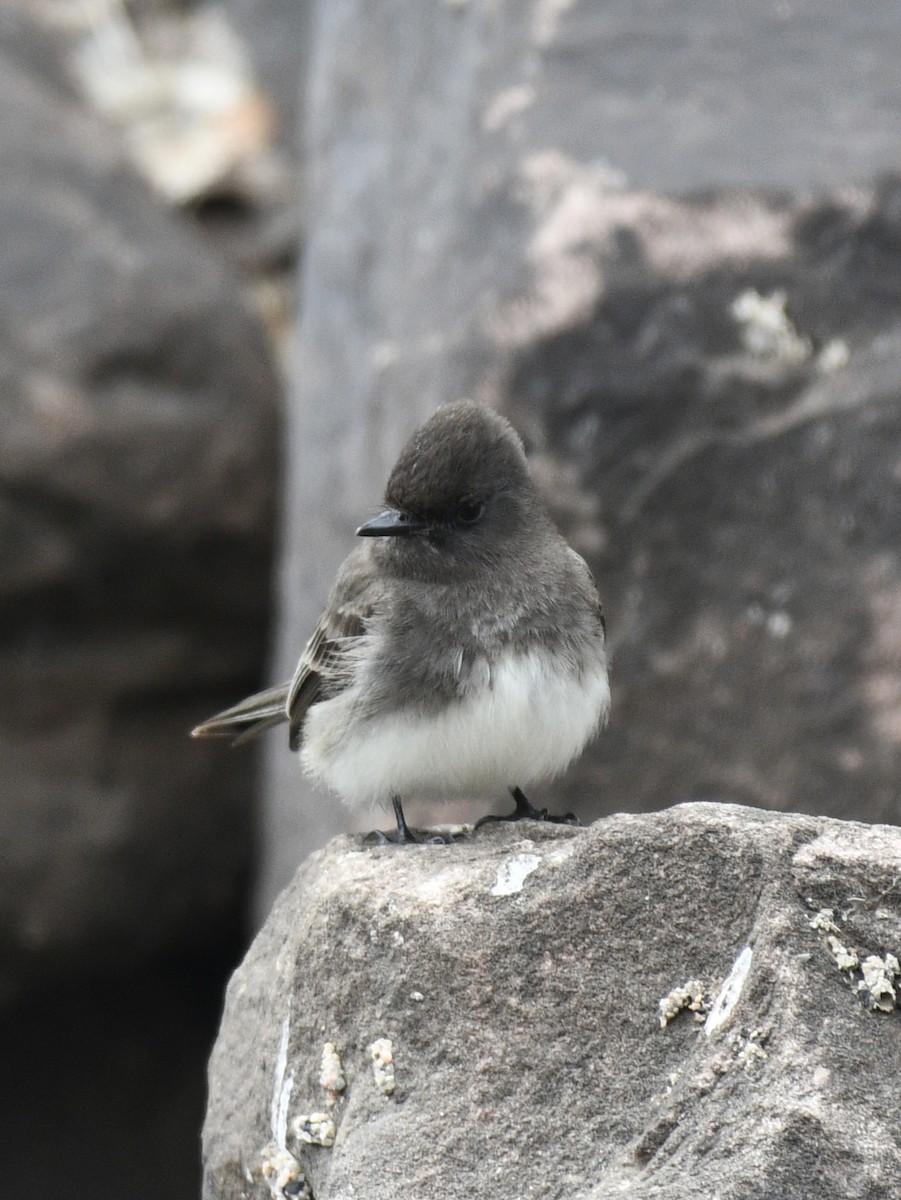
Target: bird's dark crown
(460, 459)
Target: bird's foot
(526, 811)
(403, 834)
(423, 837)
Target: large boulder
(707, 379)
(137, 479)
(696, 1002)
(726, 417)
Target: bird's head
(459, 497)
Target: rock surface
(737, 497)
(727, 418)
(137, 478)
(277, 34)
(517, 975)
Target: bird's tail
(248, 719)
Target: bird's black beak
(391, 523)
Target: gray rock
(681, 97)
(739, 505)
(137, 476)
(518, 974)
(276, 33)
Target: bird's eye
(469, 511)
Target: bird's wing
(325, 668)
(326, 665)
(330, 657)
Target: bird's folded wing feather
(325, 666)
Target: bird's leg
(526, 811)
(403, 834)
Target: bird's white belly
(524, 725)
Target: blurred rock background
(665, 239)
(150, 235)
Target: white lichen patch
(834, 356)
(878, 983)
(382, 1053)
(331, 1073)
(283, 1174)
(766, 330)
(748, 1051)
(844, 958)
(694, 996)
(316, 1129)
(879, 974)
(824, 921)
(513, 872)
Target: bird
(462, 649)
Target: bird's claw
(403, 835)
(409, 837)
(526, 811)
